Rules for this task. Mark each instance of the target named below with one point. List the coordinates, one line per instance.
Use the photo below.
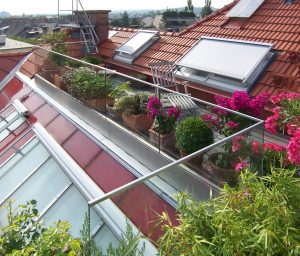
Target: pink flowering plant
(286, 113)
(237, 153)
(164, 119)
(240, 153)
(227, 123)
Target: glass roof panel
(71, 207)
(234, 59)
(13, 172)
(136, 42)
(244, 8)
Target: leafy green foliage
(119, 91)
(25, 235)
(57, 42)
(87, 84)
(125, 20)
(206, 9)
(192, 134)
(259, 217)
(133, 103)
(93, 60)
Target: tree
(189, 7)
(206, 9)
(125, 19)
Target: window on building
(138, 43)
(224, 64)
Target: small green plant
(259, 217)
(133, 103)
(57, 42)
(119, 91)
(93, 60)
(26, 235)
(192, 134)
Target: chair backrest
(163, 74)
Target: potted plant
(134, 111)
(163, 128)
(88, 86)
(137, 84)
(116, 93)
(225, 165)
(193, 134)
(51, 69)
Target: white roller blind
(234, 59)
(136, 42)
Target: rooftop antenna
(79, 19)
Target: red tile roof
(274, 22)
(8, 61)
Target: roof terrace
(137, 170)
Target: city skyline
(19, 7)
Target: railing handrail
(166, 167)
(154, 85)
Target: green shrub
(133, 103)
(192, 134)
(259, 217)
(25, 235)
(87, 84)
(93, 60)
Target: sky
(18, 7)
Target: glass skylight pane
(10, 117)
(111, 33)
(43, 186)
(71, 207)
(104, 237)
(244, 8)
(234, 59)
(12, 127)
(13, 172)
(136, 42)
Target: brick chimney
(99, 18)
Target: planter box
(99, 104)
(49, 72)
(166, 141)
(59, 83)
(194, 163)
(137, 123)
(227, 175)
(116, 115)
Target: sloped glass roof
(29, 171)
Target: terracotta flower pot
(166, 140)
(49, 72)
(114, 114)
(99, 104)
(59, 83)
(195, 162)
(137, 123)
(227, 175)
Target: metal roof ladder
(80, 19)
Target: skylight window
(224, 64)
(111, 33)
(245, 8)
(138, 43)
